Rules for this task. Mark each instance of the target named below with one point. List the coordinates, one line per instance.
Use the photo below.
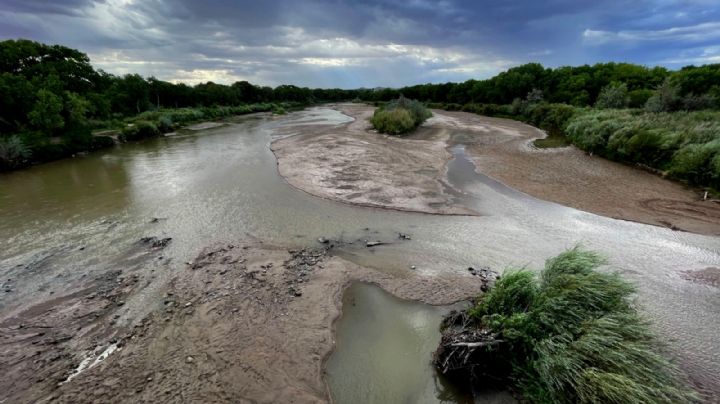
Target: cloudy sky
(353, 44)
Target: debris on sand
(156, 243)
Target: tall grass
(685, 145)
(573, 335)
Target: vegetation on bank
(683, 145)
(399, 116)
(570, 334)
(51, 98)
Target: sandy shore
(503, 150)
(350, 163)
(241, 323)
(353, 164)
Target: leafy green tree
(614, 95)
(77, 108)
(45, 115)
(665, 99)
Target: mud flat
(502, 149)
(351, 163)
(249, 322)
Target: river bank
(241, 322)
(353, 164)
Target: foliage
(45, 115)
(686, 145)
(12, 152)
(393, 122)
(573, 336)
(614, 95)
(399, 116)
(139, 130)
(665, 99)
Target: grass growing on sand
(572, 334)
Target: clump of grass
(399, 116)
(573, 335)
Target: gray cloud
(327, 43)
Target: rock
(323, 240)
(373, 243)
(413, 267)
(189, 359)
(404, 236)
(471, 269)
(120, 303)
(188, 304)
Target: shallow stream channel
(66, 220)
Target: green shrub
(13, 152)
(638, 98)
(614, 95)
(399, 116)
(393, 122)
(684, 144)
(139, 130)
(666, 98)
(573, 335)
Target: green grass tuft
(573, 335)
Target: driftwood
(467, 353)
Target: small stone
(189, 359)
(413, 267)
(188, 304)
(120, 303)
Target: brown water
(61, 221)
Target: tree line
(51, 97)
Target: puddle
(383, 351)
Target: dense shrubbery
(684, 144)
(572, 335)
(399, 116)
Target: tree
(666, 98)
(76, 107)
(45, 115)
(614, 95)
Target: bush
(638, 98)
(692, 102)
(393, 122)
(573, 336)
(666, 98)
(139, 130)
(13, 152)
(684, 144)
(399, 116)
(614, 95)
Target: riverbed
(73, 219)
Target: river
(64, 220)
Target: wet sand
(503, 150)
(242, 323)
(353, 164)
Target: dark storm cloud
(369, 43)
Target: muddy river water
(65, 220)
